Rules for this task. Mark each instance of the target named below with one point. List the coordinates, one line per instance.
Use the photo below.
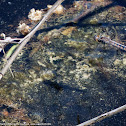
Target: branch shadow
(120, 2)
(80, 23)
(101, 9)
(60, 86)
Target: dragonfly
(107, 40)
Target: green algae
(76, 45)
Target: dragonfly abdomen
(109, 41)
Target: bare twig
(10, 40)
(28, 37)
(7, 40)
(103, 116)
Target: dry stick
(6, 62)
(27, 38)
(103, 116)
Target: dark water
(11, 12)
(14, 11)
(73, 78)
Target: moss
(77, 45)
(47, 75)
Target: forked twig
(28, 37)
(103, 116)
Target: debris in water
(35, 15)
(23, 29)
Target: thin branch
(28, 37)
(103, 116)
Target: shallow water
(70, 78)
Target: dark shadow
(79, 25)
(120, 2)
(8, 108)
(101, 9)
(60, 86)
(96, 11)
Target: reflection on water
(63, 76)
